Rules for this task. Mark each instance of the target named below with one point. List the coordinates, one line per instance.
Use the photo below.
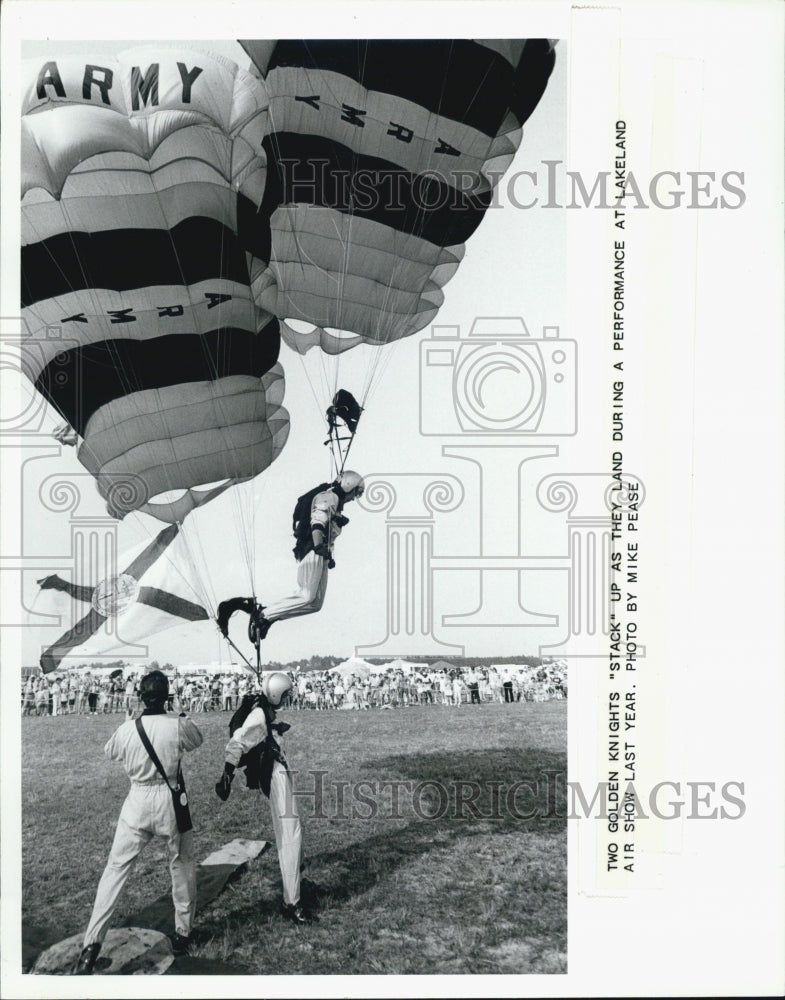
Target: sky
(514, 267)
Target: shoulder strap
(269, 715)
(151, 752)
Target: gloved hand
(224, 785)
(322, 550)
(341, 520)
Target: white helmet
(349, 481)
(275, 687)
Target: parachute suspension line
(401, 238)
(329, 370)
(128, 382)
(341, 443)
(191, 540)
(324, 391)
(290, 211)
(385, 339)
(331, 365)
(347, 244)
(200, 582)
(244, 511)
(256, 669)
(242, 529)
(241, 497)
(345, 264)
(124, 373)
(55, 263)
(344, 457)
(199, 576)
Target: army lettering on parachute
(98, 81)
(144, 87)
(400, 132)
(166, 368)
(174, 311)
(382, 160)
(355, 116)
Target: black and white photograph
(387, 396)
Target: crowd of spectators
(80, 692)
(401, 689)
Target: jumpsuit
(312, 569)
(283, 806)
(147, 812)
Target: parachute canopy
(382, 160)
(142, 331)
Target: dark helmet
(154, 688)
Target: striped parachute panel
(382, 159)
(142, 330)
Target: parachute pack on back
(252, 760)
(243, 711)
(258, 761)
(301, 519)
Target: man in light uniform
(259, 728)
(148, 811)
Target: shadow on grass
(507, 786)
(452, 797)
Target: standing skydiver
(254, 744)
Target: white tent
(354, 665)
(356, 671)
(442, 665)
(404, 665)
(94, 669)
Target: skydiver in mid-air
(316, 522)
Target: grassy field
(449, 880)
